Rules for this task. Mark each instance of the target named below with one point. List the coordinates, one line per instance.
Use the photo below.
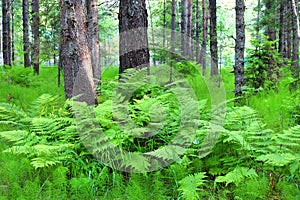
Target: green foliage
(263, 65)
(189, 185)
(237, 176)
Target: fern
(189, 186)
(238, 175)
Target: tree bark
(213, 37)
(184, 26)
(36, 35)
(6, 32)
(133, 24)
(12, 32)
(93, 38)
(295, 56)
(271, 31)
(239, 47)
(189, 29)
(197, 33)
(75, 57)
(205, 16)
(26, 44)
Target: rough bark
(26, 44)
(184, 27)
(133, 24)
(12, 32)
(239, 47)
(295, 56)
(271, 31)
(93, 38)
(282, 27)
(205, 16)
(213, 37)
(75, 57)
(6, 32)
(36, 35)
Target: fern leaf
(189, 186)
(277, 159)
(236, 176)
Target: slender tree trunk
(213, 37)
(282, 27)
(184, 28)
(189, 29)
(295, 56)
(93, 38)
(239, 47)
(75, 56)
(289, 30)
(165, 24)
(6, 32)
(12, 32)
(173, 27)
(205, 17)
(26, 44)
(197, 33)
(271, 13)
(36, 35)
(133, 24)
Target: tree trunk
(173, 27)
(213, 37)
(6, 32)
(75, 56)
(282, 27)
(197, 32)
(295, 56)
(26, 44)
(36, 35)
(271, 31)
(12, 32)
(205, 16)
(239, 47)
(288, 30)
(93, 38)
(133, 24)
(189, 29)
(184, 27)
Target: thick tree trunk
(205, 16)
(133, 24)
(213, 37)
(75, 57)
(184, 26)
(271, 31)
(93, 38)
(239, 47)
(26, 44)
(36, 35)
(295, 56)
(6, 32)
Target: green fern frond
(238, 175)
(277, 159)
(189, 186)
(13, 136)
(11, 112)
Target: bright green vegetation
(42, 156)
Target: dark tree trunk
(173, 27)
(75, 57)
(288, 21)
(239, 47)
(26, 44)
(184, 28)
(295, 56)
(36, 35)
(6, 32)
(93, 38)
(271, 31)
(282, 27)
(205, 16)
(213, 37)
(133, 24)
(197, 33)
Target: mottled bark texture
(133, 24)
(239, 47)
(6, 32)
(295, 56)
(26, 44)
(213, 37)
(184, 26)
(93, 38)
(75, 57)
(36, 35)
(205, 17)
